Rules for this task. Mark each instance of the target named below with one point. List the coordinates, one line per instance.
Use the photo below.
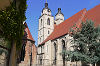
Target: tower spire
(46, 4)
(46, 1)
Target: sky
(68, 8)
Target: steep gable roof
(94, 14)
(29, 36)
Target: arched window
(41, 22)
(48, 21)
(55, 53)
(48, 32)
(63, 45)
(63, 49)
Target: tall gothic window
(48, 32)
(55, 53)
(63, 48)
(48, 21)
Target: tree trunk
(12, 61)
(76, 63)
(98, 63)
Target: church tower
(59, 17)
(46, 24)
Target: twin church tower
(47, 21)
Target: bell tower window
(48, 32)
(41, 22)
(48, 21)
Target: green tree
(86, 43)
(12, 28)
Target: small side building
(28, 53)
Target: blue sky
(69, 8)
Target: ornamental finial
(46, 4)
(46, 1)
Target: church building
(54, 37)
(28, 52)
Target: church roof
(94, 14)
(64, 28)
(29, 36)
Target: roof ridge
(29, 33)
(84, 11)
(94, 7)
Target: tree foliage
(86, 43)
(11, 22)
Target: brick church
(28, 53)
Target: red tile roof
(64, 27)
(94, 14)
(29, 36)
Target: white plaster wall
(45, 11)
(46, 49)
(69, 42)
(59, 16)
(58, 41)
(39, 50)
(48, 56)
(59, 19)
(47, 53)
(59, 56)
(44, 28)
